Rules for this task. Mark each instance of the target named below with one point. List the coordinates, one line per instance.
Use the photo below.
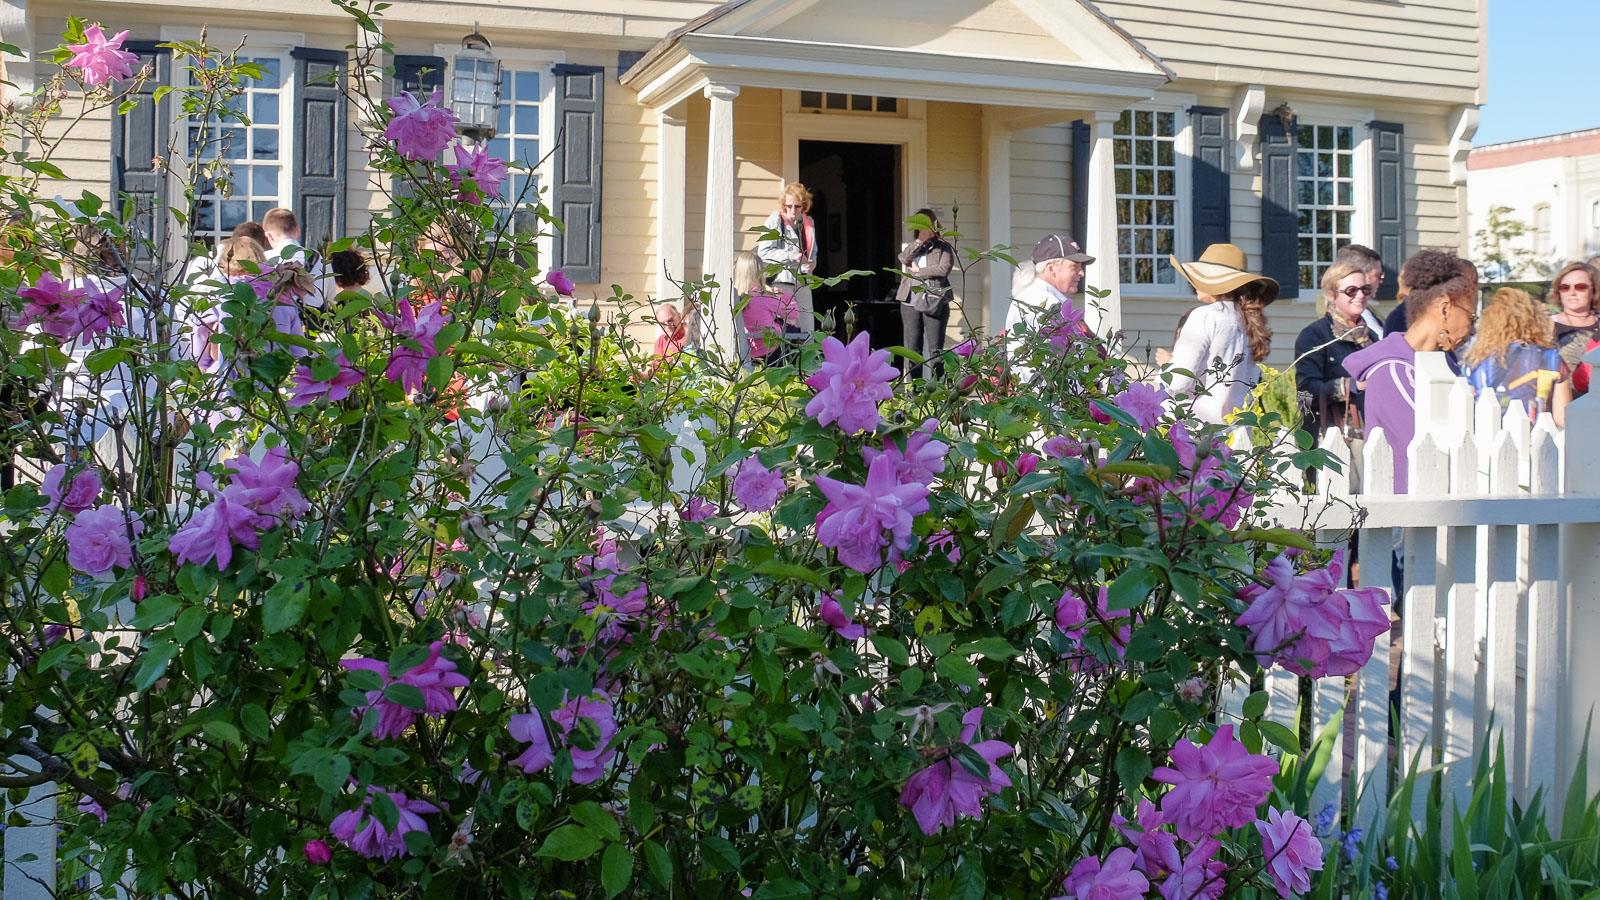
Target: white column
(672, 185)
(1104, 273)
(16, 29)
(1579, 591)
(997, 153)
(720, 236)
(35, 879)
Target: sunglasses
(1353, 291)
(1582, 286)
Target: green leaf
(1133, 767)
(103, 361)
(284, 605)
(784, 889)
(570, 843)
(998, 576)
(592, 815)
(660, 862)
(153, 664)
(255, 722)
(970, 883)
(616, 869)
(1131, 588)
(1255, 705)
(993, 647)
(406, 695)
(957, 669)
(1281, 736)
(767, 671)
(790, 572)
(155, 612)
(331, 773)
(222, 732)
(720, 853)
(1283, 537)
(892, 649)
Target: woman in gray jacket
(924, 295)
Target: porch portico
(1020, 63)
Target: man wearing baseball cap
(1049, 279)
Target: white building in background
(1551, 184)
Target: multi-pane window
(818, 100)
(251, 142)
(517, 140)
(1146, 157)
(1325, 165)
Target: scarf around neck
(1346, 330)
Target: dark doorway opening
(856, 206)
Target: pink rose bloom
(268, 487)
(1291, 851)
(860, 520)
(1063, 324)
(613, 610)
(1142, 402)
(756, 487)
(308, 390)
(90, 806)
(53, 305)
(945, 541)
(408, 364)
(832, 614)
(920, 460)
(1214, 787)
(528, 728)
(558, 279)
(1074, 620)
(213, 532)
(361, 831)
(947, 788)
(1115, 879)
(1061, 447)
(420, 130)
(1203, 487)
(852, 381)
(99, 60)
(588, 762)
(1309, 624)
(699, 509)
(1155, 849)
(100, 311)
(487, 173)
(1199, 876)
(81, 491)
(436, 677)
(317, 853)
(98, 540)
(965, 349)
(1026, 462)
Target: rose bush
(456, 595)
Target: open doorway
(857, 208)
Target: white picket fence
(1498, 535)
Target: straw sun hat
(1221, 270)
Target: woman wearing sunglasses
(1328, 397)
(1574, 292)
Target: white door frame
(910, 134)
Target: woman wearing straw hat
(1229, 328)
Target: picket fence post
(1372, 682)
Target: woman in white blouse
(1228, 331)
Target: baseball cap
(1055, 246)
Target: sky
(1541, 69)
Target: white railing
(1497, 535)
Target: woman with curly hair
(1516, 356)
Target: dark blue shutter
(580, 105)
(1212, 206)
(421, 75)
(1388, 197)
(1080, 183)
(319, 128)
(138, 139)
(1280, 223)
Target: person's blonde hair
(1554, 297)
(798, 191)
(749, 273)
(1512, 317)
(1337, 273)
(232, 251)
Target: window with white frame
(1594, 225)
(1145, 152)
(253, 143)
(518, 139)
(1325, 179)
(820, 101)
(1541, 229)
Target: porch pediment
(1054, 54)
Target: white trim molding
(1463, 128)
(16, 29)
(1183, 196)
(1247, 106)
(910, 134)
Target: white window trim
(256, 44)
(910, 133)
(1183, 206)
(526, 58)
(1357, 119)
